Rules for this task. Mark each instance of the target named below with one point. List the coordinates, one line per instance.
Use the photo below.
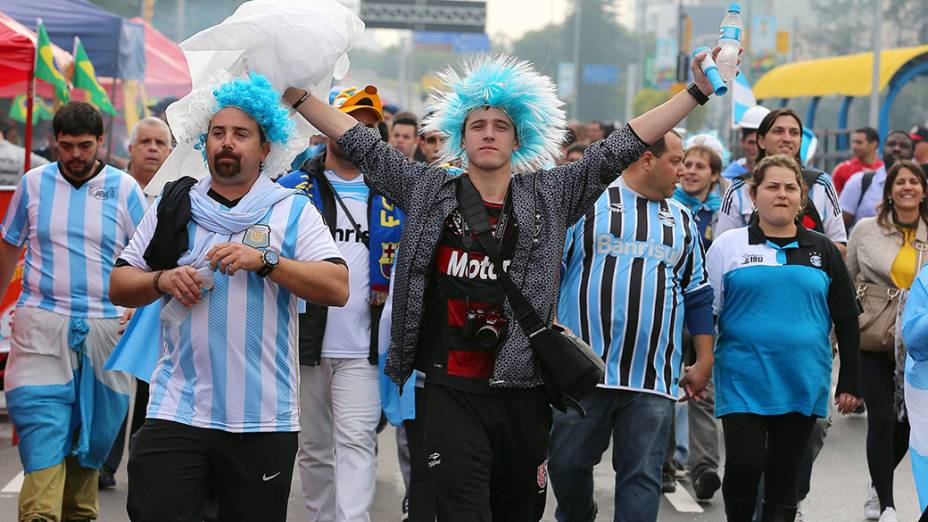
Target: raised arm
(581, 182)
(654, 124)
(329, 120)
(387, 170)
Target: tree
(602, 41)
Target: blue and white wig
(513, 86)
(256, 98)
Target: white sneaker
(800, 513)
(872, 505)
(889, 515)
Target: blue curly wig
(513, 86)
(258, 99)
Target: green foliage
(602, 40)
(647, 98)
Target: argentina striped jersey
(629, 263)
(233, 362)
(73, 236)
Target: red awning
(166, 71)
(17, 53)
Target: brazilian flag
(86, 79)
(45, 68)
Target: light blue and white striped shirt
(629, 263)
(73, 236)
(233, 363)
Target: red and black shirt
(464, 282)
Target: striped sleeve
(135, 207)
(135, 250)
(832, 219)
(15, 227)
(731, 214)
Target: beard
(227, 164)
(80, 168)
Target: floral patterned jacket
(545, 204)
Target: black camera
(486, 328)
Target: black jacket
(312, 323)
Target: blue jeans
(639, 424)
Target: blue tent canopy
(115, 45)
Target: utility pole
(179, 15)
(877, 50)
(578, 68)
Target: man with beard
(224, 407)
(339, 391)
(73, 217)
(864, 191)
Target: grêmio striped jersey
(629, 263)
(73, 235)
(233, 363)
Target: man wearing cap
(750, 121)
(863, 192)
(487, 418)
(340, 397)
(919, 137)
(865, 143)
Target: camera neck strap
(475, 214)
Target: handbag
(878, 320)
(569, 368)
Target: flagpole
(109, 130)
(30, 102)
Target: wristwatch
(270, 259)
(697, 93)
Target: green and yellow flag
(45, 68)
(85, 78)
(40, 110)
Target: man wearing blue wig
(487, 415)
(230, 255)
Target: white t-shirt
(348, 329)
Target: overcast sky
(511, 18)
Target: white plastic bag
(294, 43)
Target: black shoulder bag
(569, 367)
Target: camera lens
(487, 336)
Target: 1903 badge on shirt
(258, 236)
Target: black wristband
(301, 100)
(155, 282)
(697, 93)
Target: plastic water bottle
(174, 313)
(730, 36)
(712, 72)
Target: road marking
(682, 502)
(14, 485)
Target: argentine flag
(742, 98)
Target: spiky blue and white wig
(513, 86)
(255, 97)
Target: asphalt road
(838, 489)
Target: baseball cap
(919, 133)
(352, 99)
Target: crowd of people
(287, 310)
